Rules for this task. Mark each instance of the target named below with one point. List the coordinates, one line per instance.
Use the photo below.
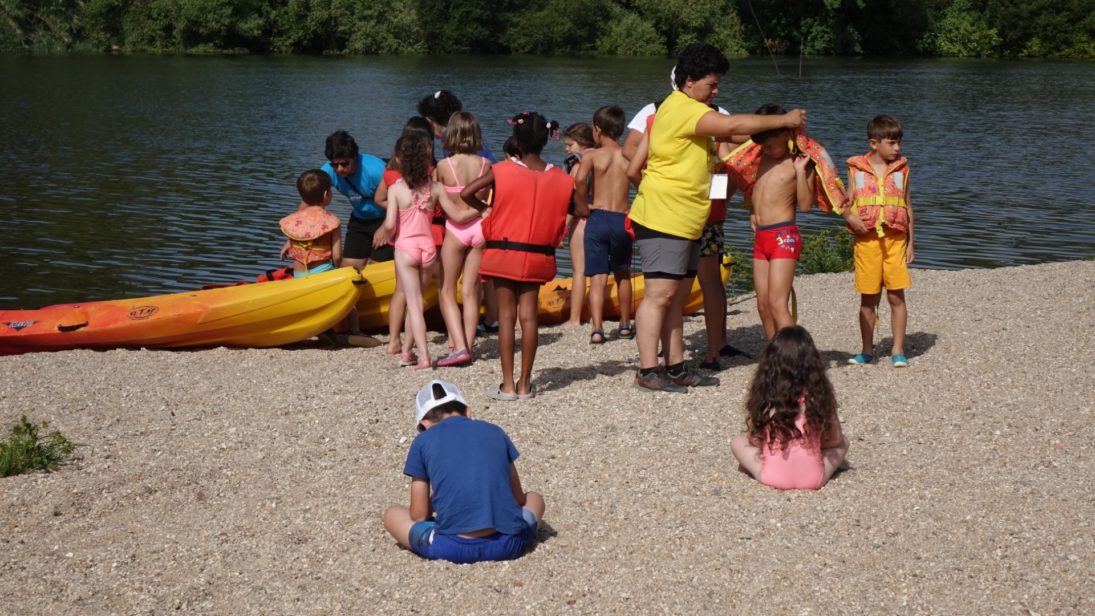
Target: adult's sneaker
(656, 381)
(693, 379)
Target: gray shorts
(669, 257)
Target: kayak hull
(254, 315)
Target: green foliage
(829, 250)
(627, 34)
(969, 28)
(557, 27)
(962, 32)
(26, 451)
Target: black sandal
(597, 337)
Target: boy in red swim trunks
(785, 182)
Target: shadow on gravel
(556, 379)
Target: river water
(129, 176)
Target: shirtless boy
(786, 179)
(607, 244)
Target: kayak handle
(71, 328)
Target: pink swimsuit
(468, 233)
(799, 466)
(414, 237)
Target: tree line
(936, 28)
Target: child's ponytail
(531, 131)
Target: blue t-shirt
(360, 187)
(467, 464)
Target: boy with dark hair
(880, 214)
(607, 244)
(786, 181)
(467, 504)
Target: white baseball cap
(426, 401)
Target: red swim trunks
(779, 241)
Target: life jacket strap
(504, 244)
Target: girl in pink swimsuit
(462, 249)
(793, 439)
(411, 203)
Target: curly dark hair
(697, 61)
(413, 151)
(790, 367)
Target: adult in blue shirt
(357, 176)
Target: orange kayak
(252, 315)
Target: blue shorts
(607, 244)
(319, 269)
(453, 548)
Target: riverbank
(252, 481)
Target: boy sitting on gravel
(467, 504)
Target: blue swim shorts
(453, 548)
(319, 269)
(607, 244)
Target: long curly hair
(789, 368)
(414, 152)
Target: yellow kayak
(555, 297)
(376, 296)
(249, 315)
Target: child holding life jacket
(607, 243)
(793, 439)
(526, 223)
(782, 180)
(578, 140)
(411, 203)
(880, 214)
(462, 249)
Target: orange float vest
(879, 201)
(307, 231)
(743, 165)
(526, 222)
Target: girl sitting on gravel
(793, 439)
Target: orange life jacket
(879, 201)
(743, 166)
(527, 221)
(308, 231)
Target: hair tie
(437, 95)
(553, 130)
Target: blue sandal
(899, 361)
(860, 359)
(626, 332)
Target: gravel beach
(253, 481)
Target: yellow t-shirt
(674, 196)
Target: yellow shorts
(880, 262)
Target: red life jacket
(527, 221)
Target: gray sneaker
(693, 379)
(657, 381)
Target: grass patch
(26, 450)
